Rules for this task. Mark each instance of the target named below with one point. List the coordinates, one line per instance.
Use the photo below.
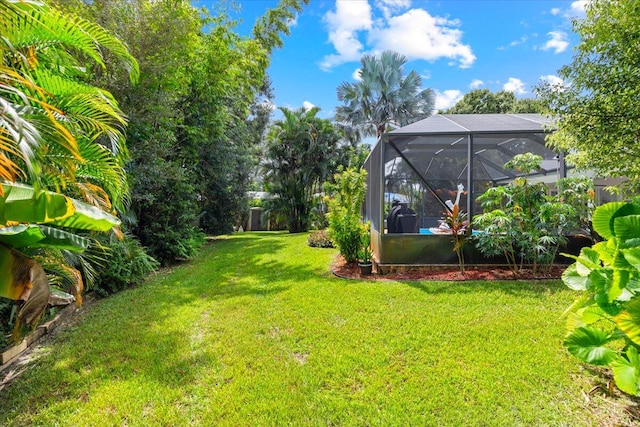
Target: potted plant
(364, 252)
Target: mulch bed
(341, 268)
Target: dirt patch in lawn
(341, 268)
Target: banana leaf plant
(604, 322)
(30, 218)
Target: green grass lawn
(256, 331)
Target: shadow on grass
(133, 335)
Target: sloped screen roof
(438, 146)
(465, 124)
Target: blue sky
(455, 45)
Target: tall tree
(384, 96)
(300, 148)
(483, 101)
(188, 133)
(597, 109)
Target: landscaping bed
(444, 272)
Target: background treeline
(196, 116)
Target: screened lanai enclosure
(415, 174)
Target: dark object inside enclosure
(402, 219)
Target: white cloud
(414, 33)
(389, 6)
(552, 79)
(555, 11)
(447, 99)
(419, 35)
(344, 24)
(519, 41)
(307, 105)
(515, 85)
(556, 83)
(558, 42)
(578, 7)
(356, 75)
(476, 83)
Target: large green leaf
(588, 344)
(87, 217)
(626, 372)
(607, 250)
(627, 229)
(617, 284)
(629, 320)
(573, 279)
(31, 235)
(585, 316)
(61, 239)
(602, 219)
(632, 255)
(21, 235)
(600, 283)
(24, 204)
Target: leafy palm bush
(604, 322)
(344, 204)
(521, 223)
(127, 264)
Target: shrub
(604, 322)
(579, 192)
(364, 252)
(344, 205)
(521, 222)
(319, 239)
(128, 263)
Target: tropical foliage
(126, 264)
(604, 322)
(384, 96)
(300, 157)
(24, 211)
(457, 222)
(70, 134)
(344, 201)
(521, 223)
(60, 133)
(596, 107)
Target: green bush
(128, 263)
(319, 239)
(344, 205)
(604, 322)
(521, 223)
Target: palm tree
(300, 152)
(55, 129)
(384, 96)
(57, 132)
